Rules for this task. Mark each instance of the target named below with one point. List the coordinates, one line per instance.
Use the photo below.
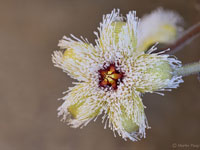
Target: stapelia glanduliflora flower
(115, 72)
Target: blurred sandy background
(30, 85)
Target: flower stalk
(188, 69)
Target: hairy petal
(127, 117)
(81, 105)
(128, 35)
(118, 35)
(79, 60)
(107, 36)
(153, 72)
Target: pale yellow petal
(79, 58)
(126, 114)
(81, 105)
(119, 37)
(152, 72)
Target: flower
(114, 74)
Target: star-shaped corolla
(115, 72)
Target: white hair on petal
(128, 35)
(82, 63)
(90, 105)
(105, 29)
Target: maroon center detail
(110, 77)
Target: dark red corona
(110, 77)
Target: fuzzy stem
(188, 69)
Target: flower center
(110, 77)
